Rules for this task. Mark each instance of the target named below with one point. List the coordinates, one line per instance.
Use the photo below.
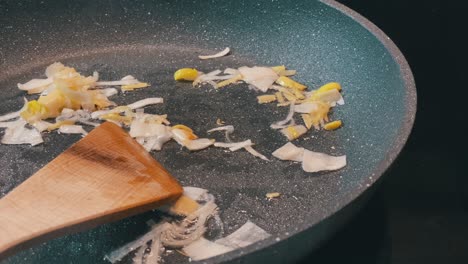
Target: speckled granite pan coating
(324, 41)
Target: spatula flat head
(105, 176)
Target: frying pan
(323, 40)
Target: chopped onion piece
(203, 249)
(36, 85)
(155, 142)
(42, 125)
(146, 102)
(10, 116)
(306, 108)
(19, 134)
(260, 77)
(289, 152)
(256, 153)
(331, 96)
(200, 143)
(206, 78)
(217, 55)
(139, 128)
(315, 161)
(234, 145)
(289, 117)
(72, 129)
(229, 130)
(246, 235)
(293, 132)
(108, 92)
(8, 124)
(213, 73)
(231, 71)
(127, 80)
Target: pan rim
(400, 141)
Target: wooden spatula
(104, 177)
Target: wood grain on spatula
(104, 177)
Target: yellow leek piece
(34, 111)
(290, 83)
(289, 96)
(279, 97)
(293, 133)
(278, 69)
(268, 98)
(229, 81)
(127, 120)
(308, 122)
(329, 86)
(333, 125)
(132, 87)
(186, 74)
(188, 131)
(273, 195)
(184, 206)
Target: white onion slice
(306, 108)
(206, 78)
(195, 193)
(10, 116)
(212, 73)
(332, 97)
(54, 68)
(108, 92)
(19, 134)
(316, 161)
(72, 129)
(146, 102)
(139, 128)
(8, 124)
(289, 152)
(217, 55)
(127, 80)
(246, 235)
(36, 85)
(260, 77)
(203, 249)
(41, 125)
(256, 153)
(222, 128)
(233, 146)
(198, 144)
(231, 71)
(229, 130)
(283, 123)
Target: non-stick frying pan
(323, 40)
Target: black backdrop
(420, 212)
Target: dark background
(419, 213)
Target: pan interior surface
(151, 40)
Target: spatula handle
(104, 177)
